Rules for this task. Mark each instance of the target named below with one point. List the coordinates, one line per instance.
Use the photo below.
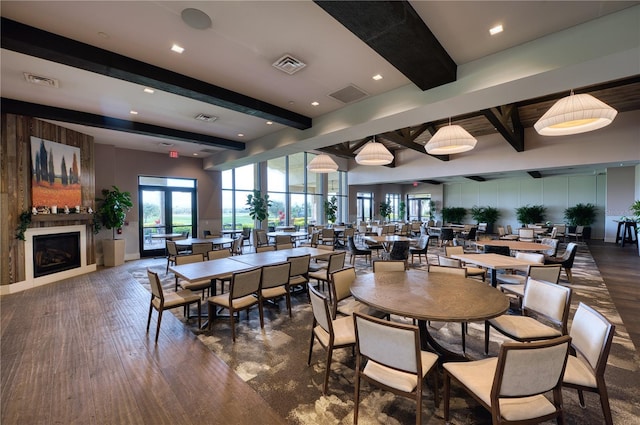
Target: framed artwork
(55, 174)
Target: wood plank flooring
(76, 352)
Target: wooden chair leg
(158, 327)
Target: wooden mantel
(72, 217)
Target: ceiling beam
(535, 174)
(476, 178)
(18, 107)
(397, 33)
(501, 117)
(45, 45)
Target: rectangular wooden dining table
(494, 262)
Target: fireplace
(54, 253)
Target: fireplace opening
(55, 253)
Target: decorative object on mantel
(111, 212)
(574, 114)
(374, 154)
(23, 224)
(450, 139)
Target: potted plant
(330, 209)
(487, 215)
(529, 214)
(453, 214)
(581, 215)
(635, 209)
(402, 210)
(258, 207)
(385, 210)
(111, 211)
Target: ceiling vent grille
(205, 118)
(40, 80)
(289, 64)
(349, 94)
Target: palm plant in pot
(487, 215)
(530, 214)
(453, 214)
(111, 212)
(581, 215)
(385, 210)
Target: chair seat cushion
(278, 291)
(319, 275)
(513, 289)
(343, 329)
(475, 271)
(402, 381)
(298, 280)
(523, 327)
(478, 376)
(176, 299)
(578, 372)
(238, 303)
(195, 286)
(350, 305)
(512, 279)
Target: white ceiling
(237, 51)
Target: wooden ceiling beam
(500, 117)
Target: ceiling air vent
(289, 64)
(349, 94)
(40, 80)
(205, 118)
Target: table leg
(428, 343)
(494, 278)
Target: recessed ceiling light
(495, 30)
(240, 134)
(195, 154)
(315, 103)
(148, 90)
(177, 49)
(132, 112)
(269, 122)
(377, 77)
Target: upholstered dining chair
(342, 302)
(201, 248)
(328, 236)
(544, 300)
(288, 245)
(526, 235)
(172, 253)
(243, 294)
(471, 270)
(199, 285)
(299, 273)
(515, 278)
(355, 250)
(274, 285)
(591, 336)
(161, 301)
(331, 334)
(335, 263)
(401, 370)
(389, 266)
(576, 234)
(265, 248)
(553, 243)
(420, 249)
(496, 249)
(400, 251)
(216, 254)
(516, 283)
(566, 260)
(513, 385)
(236, 245)
(457, 270)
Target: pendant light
(374, 154)
(450, 139)
(574, 114)
(322, 164)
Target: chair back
(351, 245)
(497, 249)
(482, 227)
(314, 239)
(236, 245)
(449, 262)
(389, 266)
(509, 229)
(172, 248)
(320, 307)
(501, 231)
(218, 253)
(591, 335)
(453, 250)
(336, 262)
(206, 233)
(348, 232)
(262, 237)
(340, 285)
(530, 256)
(472, 234)
(299, 265)
(189, 258)
(446, 234)
(275, 275)
(265, 248)
(201, 248)
(548, 273)
(399, 251)
(423, 242)
(156, 286)
(288, 245)
(553, 243)
(375, 336)
(526, 233)
(283, 239)
(569, 255)
(530, 369)
(548, 300)
(458, 271)
(562, 229)
(245, 282)
(579, 230)
(554, 232)
(328, 234)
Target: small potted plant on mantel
(111, 211)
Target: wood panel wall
(15, 187)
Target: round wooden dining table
(430, 297)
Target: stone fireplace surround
(30, 281)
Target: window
(364, 207)
(236, 185)
(420, 207)
(393, 199)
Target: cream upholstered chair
(342, 302)
(544, 300)
(420, 249)
(550, 273)
(200, 285)
(243, 291)
(458, 271)
(328, 236)
(201, 248)
(214, 255)
(322, 257)
(526, 235)
(172, 253)
(265, 248)
(515, 278)
(283, 240)
(388, 355)
(553, 243)
(274, 284)
(471, 271)
(284, 246)
(236, 245)
(336, 262)
(576, 234)
(299, 273)
(330, 333)
(389, 266)
(162, 302)
(513, 385)
(591, 335)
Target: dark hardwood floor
(620, 269)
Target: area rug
(273, 361)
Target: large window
(236, 185)
(364, 208)
(393, 199)
(420, 207)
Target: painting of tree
(53, 182)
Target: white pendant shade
(576, 113)
(449, 140)
(374, 154)
(322, 164)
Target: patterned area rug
(273, 361)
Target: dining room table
(215, 242)
(515, 245)
(494, 262)
(386, 241)
(295, 236)
(425, 297)
(266, 258)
